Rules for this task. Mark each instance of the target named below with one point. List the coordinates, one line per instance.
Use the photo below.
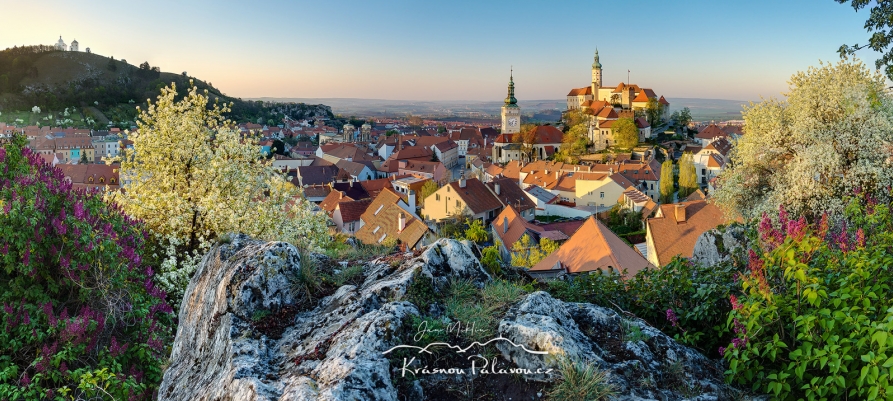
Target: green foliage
(698, 296)
(429, 188)
(688, 176)
(815, 320)
(82, 317)
(623, 221)
(307, 280)
(666, 182)
(525, 252)
(421, 292)
(880, 22)
(478, 309)
(491, 259)
(581, 381)
(632, 332)
(574, 144)
(350, 275)
(339, 249)
(653, 111)
(476, 231)
(548, 246)
(626, 134)
(681, 117)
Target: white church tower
(74, 45)
(511, 113)
(60, 45)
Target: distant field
(536, 110)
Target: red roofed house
(548, 141)
(434, 171)
(712, 159)
(676, 227)
(388, 218)
(466, 197)
(592, 247)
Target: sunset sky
(454, 50)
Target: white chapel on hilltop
(60, 45)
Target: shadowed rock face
(332, 349)
(716, 246)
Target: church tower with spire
(596, 76)
(511, 113)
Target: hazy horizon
(461, 50)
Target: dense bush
(684, 299)
(81, 317)
(816, 321)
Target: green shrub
(82, 317)
(491, 259)
(816, 319)
(349, 275)
(581, 381)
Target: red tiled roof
(672, 237)
(594, 247)
(352, 210)
(580, 91)
(476, 195)
(663, 101)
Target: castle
(607, 104)
(594, 98)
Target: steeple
(510, 100)
(595, 63)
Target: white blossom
(830, 136)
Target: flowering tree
(82, 317)
(193, 177)
(832, 134)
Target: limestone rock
(653, 367)
(720, 245)
(330, 352)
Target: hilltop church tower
(511, 113)
(596, 76)
(74, 46)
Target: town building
(592, 247)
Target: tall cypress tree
(688, 176)
(666, 182)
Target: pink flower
(734, 300)
(671, 316)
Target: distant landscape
(536, 110)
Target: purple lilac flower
(860, 237)
(722, 351)
(671, 316)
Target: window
(437, 197)
(378, 210)
(376, 229)
(601, 195)
(457, 203)
(703, 171)
(101, 180)
(91, 179)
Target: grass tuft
(581, 381)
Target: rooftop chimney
(557, 174)
(496, 188)
(401, 222)
(462, 181)
(680, 213)
(505, 224)
(611, 169)
(411, 199)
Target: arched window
(101, 180)
(91, 179)
(112, 180)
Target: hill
(84, 89)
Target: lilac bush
(81, 316)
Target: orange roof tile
(672, 237)
(593, 247)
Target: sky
(455, 50)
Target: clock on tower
(511, 113)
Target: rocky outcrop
(251, 329)
(720, 245)
(642, 362)
(333, 351)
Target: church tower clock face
(513, 122)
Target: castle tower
(511, 113)
(74, 45)
(596, 76)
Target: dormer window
(112, 180)
(91, 179)
(102, 180)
